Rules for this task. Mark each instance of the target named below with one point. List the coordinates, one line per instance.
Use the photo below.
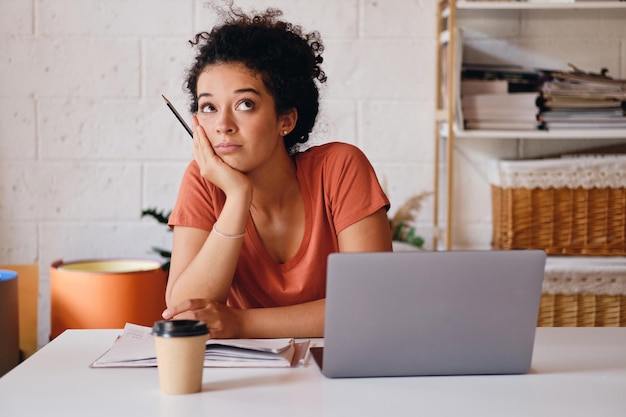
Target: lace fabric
(608, 171)
(578, 275)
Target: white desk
(575, 372)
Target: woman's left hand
(224, 322)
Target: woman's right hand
(224, 322)
(212, 167)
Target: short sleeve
(351, 186)
(198, 203)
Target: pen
(178, 116)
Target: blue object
(6, 275)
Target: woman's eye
(206, 108)
(245, 105)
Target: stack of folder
(582, 100)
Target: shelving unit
(536, 5)
(446, 129)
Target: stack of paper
(135, 348)
(583, 100)
(501, 97)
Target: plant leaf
(160, 216)
(162, 252)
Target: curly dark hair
(287, 59)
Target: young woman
(256, 218)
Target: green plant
(161, 217)
(401, 226)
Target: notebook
(430, 313)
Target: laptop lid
(431, 313)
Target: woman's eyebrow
(238, 91)
(248, 90)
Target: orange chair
(105, 294)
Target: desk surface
(575, 372)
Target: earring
(284, 133)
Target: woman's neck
(276, 185)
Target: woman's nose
(225, 123)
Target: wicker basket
(579, 292)
(582, 310)
(574, 206)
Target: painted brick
(69, 190)
(331, 18)
(161, 183)
(114, 17)
(17, 129)
(165, 64)
(16, 17)
(110, 129)
(387, 18)
(18, 242)
(402, 181)
(369, 69)
(70, 66)
(336, 122)
(398, 131)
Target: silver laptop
(430, 313)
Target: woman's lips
(226, 147)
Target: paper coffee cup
(180, 346)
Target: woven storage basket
(583, 292)
(568, 206)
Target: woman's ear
(287, 121)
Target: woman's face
(239, 116)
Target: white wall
(86, 142)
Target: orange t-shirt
(339, 187)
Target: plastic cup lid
(179, 328)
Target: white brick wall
(86, 142)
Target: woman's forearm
(203, 263)
(301, 320)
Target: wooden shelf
(516, 5)
(542, 134)
(446, 116)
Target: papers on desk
(134, 348)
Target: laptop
(430, 313)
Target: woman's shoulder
(331, 161)
(333, 151)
